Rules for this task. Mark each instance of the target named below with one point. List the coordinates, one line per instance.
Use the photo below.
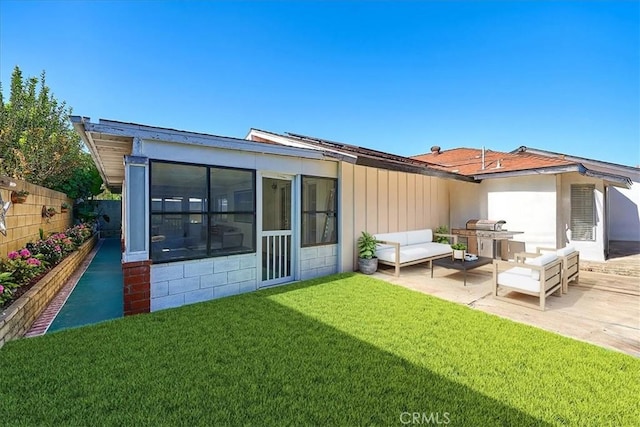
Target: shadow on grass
(241, 360)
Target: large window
(319, 211)
(583, 212)
(193, 214)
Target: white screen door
(276, 231)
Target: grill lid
(485, 224)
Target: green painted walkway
(98, 295)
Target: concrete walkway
(603, 309)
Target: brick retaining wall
(16, 320)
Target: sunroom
(206, 216)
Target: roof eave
(79, 123)
(613, 179)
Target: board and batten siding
(383, 201)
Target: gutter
(617, 180)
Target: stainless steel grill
(484, 236)
(485, 224)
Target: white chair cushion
(519, 278)
(540, 261)
(565, 251)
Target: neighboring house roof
(362, 156)
(486, 164)
(109, 141)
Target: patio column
(137, 292)
(136, 265)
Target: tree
(37, 142)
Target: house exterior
(207, 216)
(554, 199)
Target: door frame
(295, 229)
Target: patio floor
(603, 309)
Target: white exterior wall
(624, 213)
(317, 261)
(589, 250)
(527, 204)
(185, 282)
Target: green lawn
(343, 350)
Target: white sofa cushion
(414, 252)
(419, 236)
(519, 278)
(400, 237)
(565, 251)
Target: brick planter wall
(16, 320)
(137, 295)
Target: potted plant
(48, 212)
(19, 196)
(459, 250)
(367, 261)
(443, 229)
(64, 207)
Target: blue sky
(393, 76)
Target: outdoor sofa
(411, 247)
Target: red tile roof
(468, 161)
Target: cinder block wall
(24, 220)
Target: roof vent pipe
(483, 157)
(435, 149)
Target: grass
(344, 350)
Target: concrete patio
(603, 309)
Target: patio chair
(530, 274)
(570, 264)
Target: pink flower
(13, 255)
(1, 289)
(57, 248)
(24, 253)
(33, 261)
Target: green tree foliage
(37, 142)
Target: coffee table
(460, 265)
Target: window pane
(178, 236)
(319, 211)
(582, 212)
(182, 226)
(319, 228)
(232, 236)
(178, 188)
(137, 215)
(318, 194)
(232, 190)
